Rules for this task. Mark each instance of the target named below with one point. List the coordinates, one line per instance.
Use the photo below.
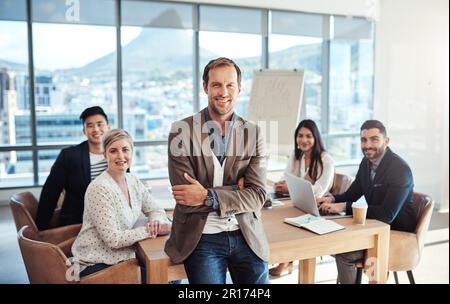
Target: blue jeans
(215, 253)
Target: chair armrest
(66, 246)
(127, 272)
(60, 234)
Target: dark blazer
(70, 172)
(246, 204)
(389, 196)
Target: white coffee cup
(359, 213)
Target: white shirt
(107, 233)
(214, 223)
(325, 181)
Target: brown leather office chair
(341, 183)
(47, 263)
(24, 209)
(405, 248)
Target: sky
(61, 46)
(13, 45)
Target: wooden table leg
(157, 271)
(376, 264)
(306, 271)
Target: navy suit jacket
(389, 195)
(71, 172)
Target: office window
(351, 74)
(150, 162)
(46, 160)
(13, 10)
(236, 34)
(98, 12)
(13, 72)
(156, 14)
(15, 166)
(157, 60)
(295, 42)
(350, 84)
(344, 148)
(16, 169)
(75, 66)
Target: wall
(411, 88)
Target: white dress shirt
(214, 223)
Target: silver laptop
(302, 197)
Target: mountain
(156, 46)
(161, 52)
(302, 56)
(306, 57)
(18, 67)
(155, 50)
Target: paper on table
(313, 223)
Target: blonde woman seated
(311, 162)
(113, 203)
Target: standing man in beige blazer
(217, 169)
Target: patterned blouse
(107, 233)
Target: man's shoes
(278, 270)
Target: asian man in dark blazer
(386, 182)
(72, 172)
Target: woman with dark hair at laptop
(310, 161)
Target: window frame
(265, 33)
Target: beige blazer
(245, 158)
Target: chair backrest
(423, 208)
(45, 263)
(24, 209)
(341, 183)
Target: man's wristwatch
(208, 201)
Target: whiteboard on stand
(275, 104)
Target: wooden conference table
(289, 243)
